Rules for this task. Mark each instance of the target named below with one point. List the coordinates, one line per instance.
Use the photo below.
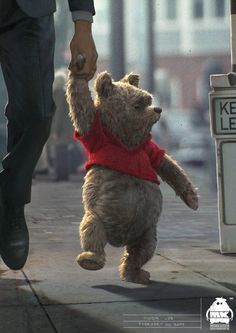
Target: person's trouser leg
(26, 55)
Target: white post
(222, 101)
(233, 34)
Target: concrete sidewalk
(53, 294)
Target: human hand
(82, 44)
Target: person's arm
(82, 41)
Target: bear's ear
(103, 84)
(131, 78)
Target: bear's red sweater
(104, 148)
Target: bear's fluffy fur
(121, 209)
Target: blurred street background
(174, 45)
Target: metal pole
(117, 55)
(233, 34)
(61, 27)
(150, 62)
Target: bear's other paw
(139, 276)
(190, 197)
(91, 260)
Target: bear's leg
(93, 241)
(136, 255)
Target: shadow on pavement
(163, 291)
(21, 312)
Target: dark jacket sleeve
(84, 5)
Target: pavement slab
(53, 294)
(169, 316)
(20, 311)
(25, 319)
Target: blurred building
(191, 39)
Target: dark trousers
(26, 57)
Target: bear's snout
(157, 110)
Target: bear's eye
(137, 107)
(149, 100)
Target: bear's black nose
(157, 110)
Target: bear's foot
(91, 260)
(138, 276)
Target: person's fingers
(91, 75)
(77, 64)
(86, 71)
(83, 65)
(96, 57)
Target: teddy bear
(121, 194)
